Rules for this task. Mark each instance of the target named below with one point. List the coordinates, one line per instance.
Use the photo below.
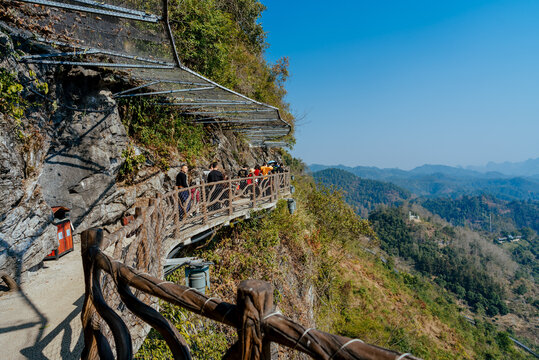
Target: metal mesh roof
(134, 37)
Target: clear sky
(409, 82)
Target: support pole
(170, 35)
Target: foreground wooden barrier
(11, 284)
(119, 262)
(252, 315)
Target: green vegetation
(131, 165)
(364, 195)
(164, 133)
(223, 40)
(321, 249)
(12, 103)
(515, 218)
(451, 266)
(296, 166)
(473, 211)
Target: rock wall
(73, 157)
(26, 233)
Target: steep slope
(328, 271)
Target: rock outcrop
(26, 233)
(70, 157)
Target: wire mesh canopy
(134, 37)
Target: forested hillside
(363, 194)
(480, 212)
(460, 255)
(437, 250)
(496, 219)
(328, 271)
(447, 181)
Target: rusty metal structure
(121, 258)
(134, 38)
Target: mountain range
(449, 181)
(529, 168)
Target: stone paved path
(56, 290)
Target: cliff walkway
(42, 320)
(122, 283)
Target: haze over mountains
(529, 167)
(509, 181)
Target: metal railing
(116, 263)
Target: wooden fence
(131, 258)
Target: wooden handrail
(131, 267)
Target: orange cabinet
(64, 234)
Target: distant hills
(481, 212)
(448, 181)
(529, 168)
(363, 194)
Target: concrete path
(42, 320)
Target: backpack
(243, 173)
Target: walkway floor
(42, 321)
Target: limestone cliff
(67, 151)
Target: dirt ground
(42, 320)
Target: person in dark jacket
(242, 174)
(181, 182)
(215, 191)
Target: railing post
(230, 197)
(90, 325)
(254, 192)
(274, 188)
(255, 302)
(176, 213)
(204, 205)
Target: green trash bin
(197, 275)
(292, 206)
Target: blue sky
(404, 83)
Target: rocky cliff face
(70, 155)
(26, 233)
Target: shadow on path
(36, 350)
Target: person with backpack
(243, 173)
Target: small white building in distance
(412, 217)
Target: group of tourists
(258, 174)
